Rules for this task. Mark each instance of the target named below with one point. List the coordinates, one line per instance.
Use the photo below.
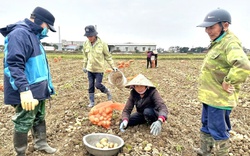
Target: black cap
(45, 16)
(90, 31)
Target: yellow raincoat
(94, 56)
(225, 61)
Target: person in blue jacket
(27, 79)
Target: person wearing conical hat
(150, 107)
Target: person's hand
(115, 69)
(156, 127)
(27, 101)
(228, 87)
(84, 70)
(123, 125)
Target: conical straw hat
(139, 80)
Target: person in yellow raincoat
(95, 53)
(225, 68)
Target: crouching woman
(150, 107)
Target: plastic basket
(117, 79)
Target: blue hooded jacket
(25, 63)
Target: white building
(131, 47)
(128, 47)
(49, 48)
(66, 43)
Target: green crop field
(177, 56)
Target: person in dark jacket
(27, 79)
(149, 63)
(150, 107)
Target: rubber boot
(109, 96)
(91, 100)
(207, 143)
(222, 147)
(20, 143)
(39, 135)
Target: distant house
(71, 48)
(130, 47)
(66, 43)
(71, 45)
(49, 48)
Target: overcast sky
(163, 22)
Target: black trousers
(148, 116)
(156, 60)
(149, 62)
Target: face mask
(142, 92)
(43, 33)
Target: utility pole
(59, 43)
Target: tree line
(178, 49)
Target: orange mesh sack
(101, 113)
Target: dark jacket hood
(25, 24)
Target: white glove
(115, 69)
(27, 100)
(156, 127)
(123, 125)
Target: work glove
(84, 70)
(156, 127)
(115, 69)
(123, 125)
(27, 101)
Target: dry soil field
(176, 80)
